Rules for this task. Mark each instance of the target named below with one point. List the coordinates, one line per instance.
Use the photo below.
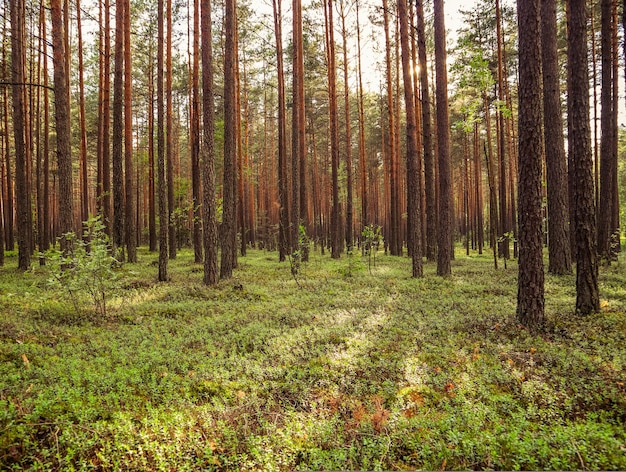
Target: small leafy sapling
(300, 254)
(304, 242)
(354, 264)
(615, 245)
(87, 271)
(372, 237)
(505, 239)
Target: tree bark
(505, 225)
(615, 243)
(152, 231)
(530, 291)
(63, 128)
(394, 218)
(335, 225)
(299, 125)
(118, 134)
(283, 187)
(229, 215)
(413, 162)
(365, 218)
(587, 296)
(348, 135)
(105, 123)
(491, 179)
(444, 228)
(297, 128)
(161, 176)
(8, 207)
(209, 207)
(607, 190)
(43, 207)
(130, 209)
(241, 199)
(196, 177)
(429, 157)
(24, 219)
(169, 131)
(84, 176)
(478, 191)
(558, 206)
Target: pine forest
(312, 235)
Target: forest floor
(343, 368)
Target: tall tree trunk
(283, 188)
(84, 176)
(161, 179)
(596, 155)
(587, 296)
(298, 129)
(615, 227)
(530, 291)
(398, 191)
(195, 137)
(617, 212)
(444, 233)
(558, 207)
(209, 207)
(105, 120)
(5, 166)
(413, 162)
(394, 226)
(491, 179)
(365, 218)
(8, 207)
(249, 187)
(169, 132)
(348, 136)
(335, 225)
(429, 157)
(152, 231)
(62, 118)
(465, 223)
(240, 172)
(478, 191)
(130, 202)
(44, 206)
(229, 215)
(118, 134)
(505, 225)
(418, 123)
(605, 209)
(24, 219)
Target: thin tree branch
(24, 84)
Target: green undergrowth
(347, 367)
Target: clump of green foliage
(372, 236)
(300, 254)
(379, 371)
(85, 272)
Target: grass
(345, 369)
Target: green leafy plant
(354, 264)
(304, 242)
(88, 271)
(350, 374)
(505, 239)
(372, 236)
(300, 254)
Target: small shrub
(372, 236)
(88, 271)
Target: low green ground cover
(345, 368)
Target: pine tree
(530, 290)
